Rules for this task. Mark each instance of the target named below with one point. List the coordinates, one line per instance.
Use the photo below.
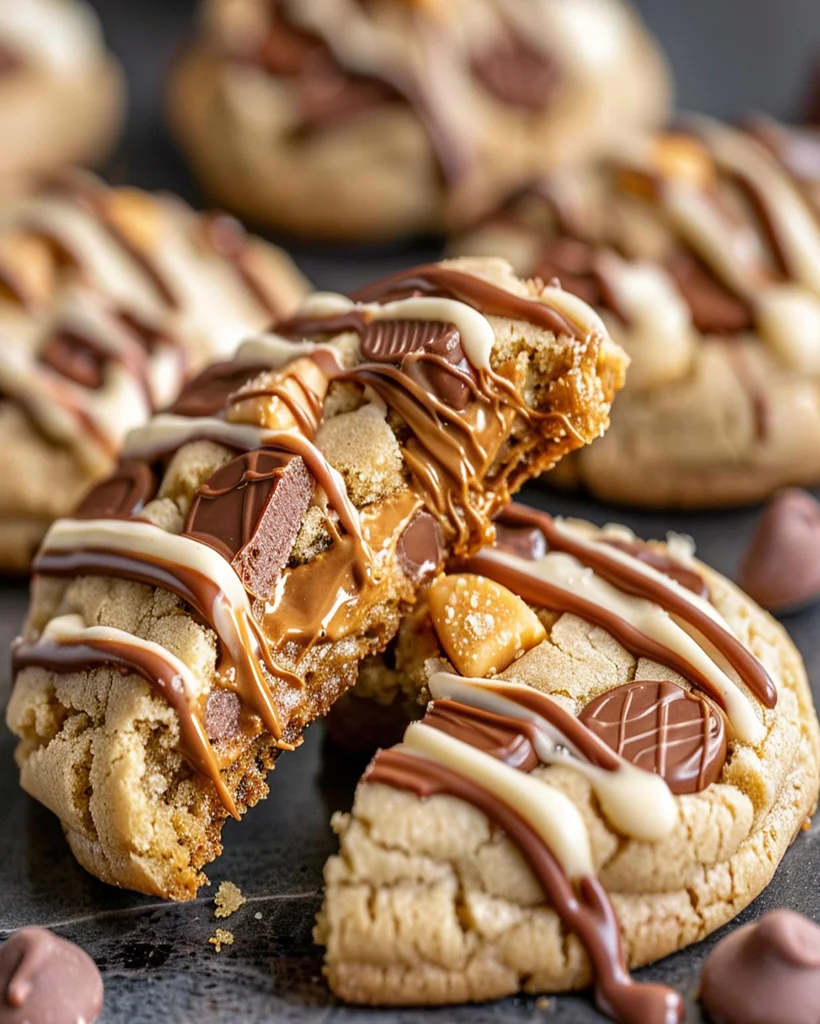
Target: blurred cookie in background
(109, 300)
(380, 118)
(62, 94)
(701, 250)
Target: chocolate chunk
(420, 549)
(225, 234)
(524, 541)
(251, 511)
(662, 728)
(781, 567)
(222, 711)
(207, 393)
(388, 341)
(77, 358)
(518, 74)
(572, 262)
(121, 495)
(715, 310)
(767, 972)
(46, 980)
(148, 336)
(663, 563)
(442, 368)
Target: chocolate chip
(222, 712)
(523, 541)
(420, 549)
(121, 495)
(766, 971)
(207, 393)
(251, 511)
(662, 728)
(781, 567)
(46, 980)
(518, 74)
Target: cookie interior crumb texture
(228, 900)
(221, 938)
(194, 618)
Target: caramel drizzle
(586, 910)
(82, 654)
(242, 667)
(631, 581)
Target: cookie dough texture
(375, 170)
(426, 903)
(100, 749)
(80, 264)
(705, 290)
(62, 96)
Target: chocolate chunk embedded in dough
(207, 393)
(46, 980)
(664, 729)
(388, 341)
(251, 511)
(121, 495)
(420, 549)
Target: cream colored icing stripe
(231, 612)
(637, 803)
(477, 335)
(551, 814)
(567, 573)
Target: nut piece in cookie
(303, 495)
(618, 791)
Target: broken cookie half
(618, 749)
(268, 532)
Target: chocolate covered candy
(662, 728)
(121, 495)
(46, 980)
(781, 567)
(251, 511)
(767, 972)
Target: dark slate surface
(155, 957)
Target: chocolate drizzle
(73, 656)
(585, 908)
(543, 594)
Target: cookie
(261, 538)
(109, 300)
(587, 792)
(700, 250)
(377, 119)
(62, 95)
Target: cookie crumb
(258, 915)
(221, 938)
(542, 1003)
(228, 900)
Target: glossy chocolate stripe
(482, 295)
(633, 581)
(81, 656)
(510, 740)
(204, 596)
(542, 594)
(588, 911)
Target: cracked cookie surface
(430, 900)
